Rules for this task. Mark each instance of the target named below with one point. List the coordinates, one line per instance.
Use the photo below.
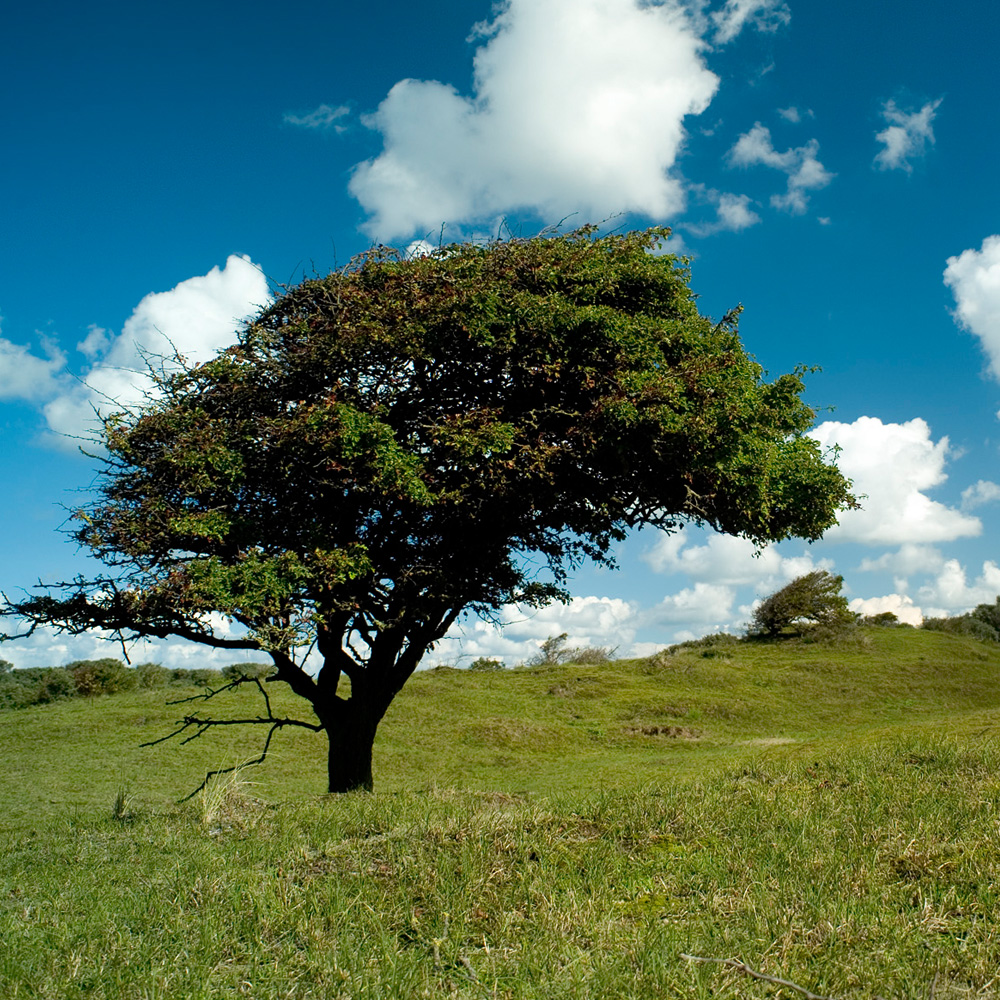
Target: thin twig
(735, 963)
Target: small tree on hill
(809, 600)
(384, 449)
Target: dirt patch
(671, 732)
(769, 741)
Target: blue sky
(830, 167)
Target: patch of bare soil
(671, 732)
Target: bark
(351, 734)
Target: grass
(828, 814)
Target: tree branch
(202, 725)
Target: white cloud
(906, 136)
(728, 560)
(892, 465)
(794, 115)
(732, 213)
(518, 633)
(24, 375)
(907, 560)
(981, 493)
(578, 106)
(324, 117)
(764, 15)
(197, 318)
(805, 172)
(47, 648)
(703, 604)
(974, 278)
(899, 604)
(951, 592)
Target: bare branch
(229, 770)
(735, 963)
(203, 724)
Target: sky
(831, 167)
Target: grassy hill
(828, 813)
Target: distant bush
(35, 686)
(554, 651)
(236, 670)
(88, 678)
(151, 675)
(199, 677)
(808, 602)
(105, 676)
(962, 625)
(486, 663)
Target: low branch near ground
(202, 725)
(735, 963)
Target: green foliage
(384, 447)
(35, 686)
(236, 670)
(487, 663)
(810, 601)
(554, 650)
(884, 619)
(982, 623)
(104, 676)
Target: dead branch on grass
(202, 724)
(735, 963)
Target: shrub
(486, 663)
(553, 652)
(151, 675)
(808, 601)
(54, 684)
(236, 670)
(962, 625)
(105, 676)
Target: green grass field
(826, 813)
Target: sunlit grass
(829, 815)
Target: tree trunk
(351, 734)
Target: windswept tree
(402, 442)
(813, 599)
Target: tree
(393, 445)
(812, 599)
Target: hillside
(827, 814)
(541, 730)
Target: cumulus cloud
(893, 465)
(25, 375)
(764, 15)
(324, 117)
(805, 172)
(899, 604)
(951, 591)
(794, 115)
(907, 560)
(974, 279)
(518, 633)
(979, 494)
(196, 318)
(906, 135)
(732, 212)
(577, 106)
(48, 648)
(727, 560)
(704, 604)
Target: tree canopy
(406, 440)
(813, 599)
